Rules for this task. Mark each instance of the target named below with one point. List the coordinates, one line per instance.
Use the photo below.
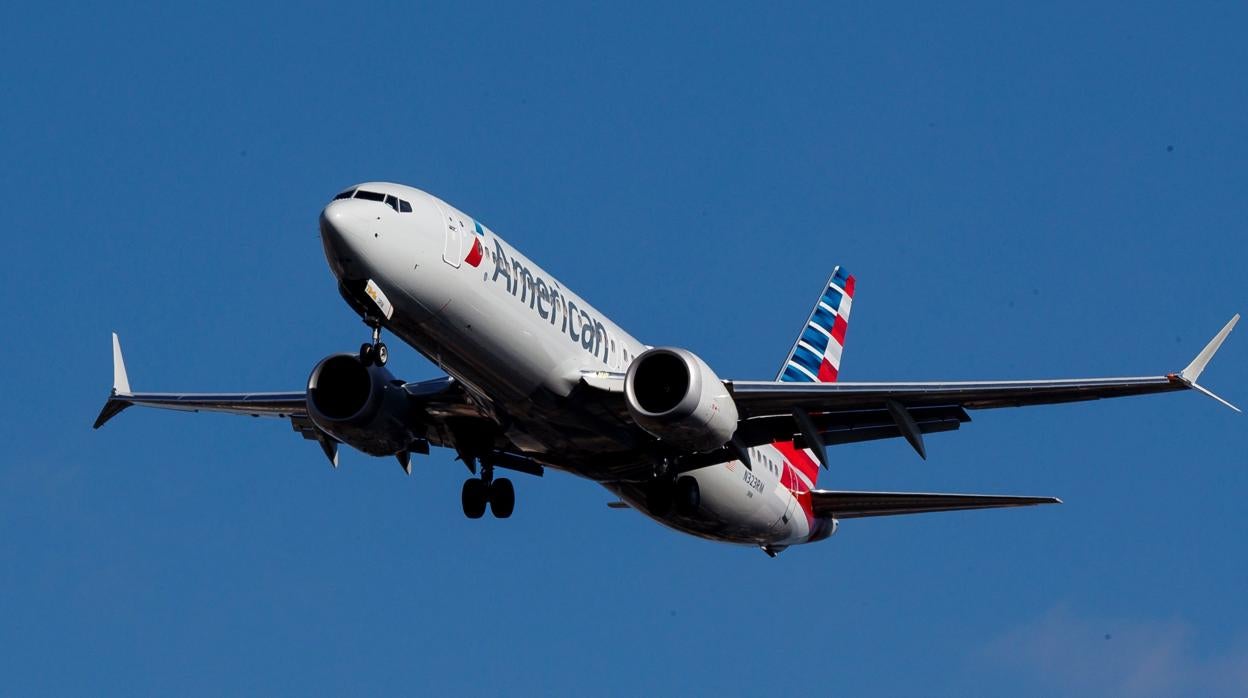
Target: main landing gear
(376, 352)
(498, 494)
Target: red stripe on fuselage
(799, 460)
(795, 458)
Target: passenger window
(404, 207)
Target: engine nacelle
(361, 406)
(676, 397)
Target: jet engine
(676, 397)
(361, 406)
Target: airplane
(537, 378)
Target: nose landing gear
(376, 352)
(499, 494)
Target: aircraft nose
(345, 230)
(340, 221)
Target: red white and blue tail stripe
(815, 358)
(816, 355)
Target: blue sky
(1050, 191)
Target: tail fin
(816, 358)
(816, 355)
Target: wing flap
(848, 426)
(853, 436)
(854, 505)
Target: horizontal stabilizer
(853, 505)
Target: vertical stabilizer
(816, 358)
(816, 354)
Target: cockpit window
(390, 200)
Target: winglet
(1194, 369)
(120, 382)
(1197, 366)
(121, 388)
(1206, 391)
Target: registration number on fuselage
(755, 482)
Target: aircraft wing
(253, 404)
(853, 505)
(439, 399)
(288, 404)
(844, 412)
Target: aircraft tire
(502, 498)
(366, 354)
(473, 497)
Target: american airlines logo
(548, 301)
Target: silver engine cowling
(361, 406)
(677, 398)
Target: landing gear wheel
(474, 498)
(502, 498)
(366, 354)
(380, 354)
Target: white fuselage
(522, 342)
